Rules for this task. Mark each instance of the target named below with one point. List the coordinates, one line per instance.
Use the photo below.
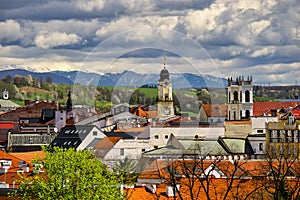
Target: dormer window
(291, 120)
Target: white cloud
(131, 23)
(55, 39)
(10, 30)
(267, 51)
(89, 5)
(242, 22)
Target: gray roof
(72, 136)
(202, 147)
(8, 104)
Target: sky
(258, 38)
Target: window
(236, 96)
(156, 137)
(143, 150)
(247, 96)
(166, 136)
(260, 146)
(122, 152)
(260, 131)
(291, 120)
(155, 147)
(101, 151)
(196, 136)
(247, 114)
(94, 133)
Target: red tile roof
(242, 185)
(7, 125)
(8, 156)
(29, 156)
(261, 108)
(215, 110)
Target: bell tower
(240, 98)
(165, 98)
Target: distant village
(237, 139)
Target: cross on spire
(165, 62)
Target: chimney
(171, 190)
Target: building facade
(240, 98)
(165, 97)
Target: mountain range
(125, 78)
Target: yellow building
(283, 138)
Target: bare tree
(282, 178)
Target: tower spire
(165, 61)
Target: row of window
(167, 136)
(122, 151)
(74, 131)
(284, 149)
(284, 136)
(236, 96)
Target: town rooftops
(264, 108)
(33, 110)
(215, 110)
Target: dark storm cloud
(148, 52)
(49, 10)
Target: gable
(213, 171)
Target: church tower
(165, 98)
(69, 106)
(240, 98)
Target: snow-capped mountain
(126, 78)
(38, 69)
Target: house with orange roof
(213, 113)
(120, 145)
(10, 166)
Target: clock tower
(165, 100)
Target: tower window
(166, 97)
(247, 113)
(247, 96)
(260, 146)
(236, 96)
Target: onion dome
(164, 74)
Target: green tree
(69, 174)
(126, 171)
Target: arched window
(229, 97)
(247, 96)
(234, 115)
(236, 96)
(166, 96)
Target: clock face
(166, 111)
(166, 83)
